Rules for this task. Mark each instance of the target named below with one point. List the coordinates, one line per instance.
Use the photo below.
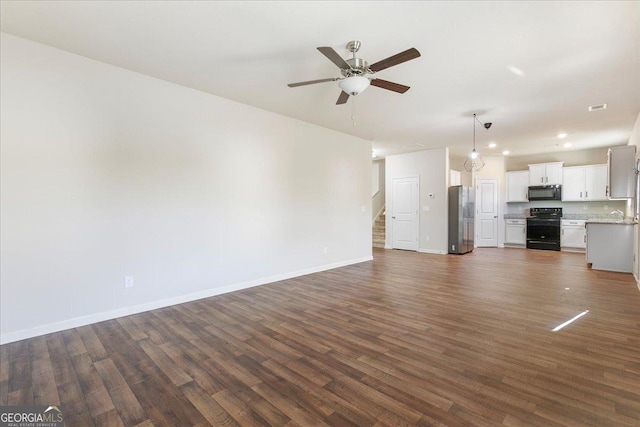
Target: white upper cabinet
(573, 187)
(554, 174)
(545, 174)
(595, 184)
(621, 161)
(517, 186)
(537, 174)
(584, 183)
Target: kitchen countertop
(612, 221)
(589, 218)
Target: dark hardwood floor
(408, 339)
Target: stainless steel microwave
(545, 192)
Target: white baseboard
(126, 311)
(432, 251)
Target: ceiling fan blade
(384, 84)
(312, 82)
(399, 58)
(342, 99)
(334, 57)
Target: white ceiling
(573, 54)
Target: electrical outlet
(325, 250)
(128, 282)
(428, 238)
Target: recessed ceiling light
(597, 107)
(568, 144)
(492, 145)
(505, 152)
(562, 135)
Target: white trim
(432, 251)
(126, 311)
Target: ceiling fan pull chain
(353, 111)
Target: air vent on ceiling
(597, 107)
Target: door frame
(417, 215)
(477, 223)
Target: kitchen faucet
(618, 212)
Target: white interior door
(404, 215)
(487, 212)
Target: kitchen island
(610, 245)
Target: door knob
(393, 217)
(495, 216)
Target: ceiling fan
(355, 70)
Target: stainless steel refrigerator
(461, 219)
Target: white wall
(635, 140)
(432, 166)
(378, 199)
(593, 156)
(107, 173)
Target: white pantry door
(487, 212)
(404, 215)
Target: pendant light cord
(474, 131)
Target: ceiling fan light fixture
(354, 85)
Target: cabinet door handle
(546, 179)
(581, 194)
(585, 238)
(542, 179)
(563, 231)
(586, 194)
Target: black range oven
(543, 229)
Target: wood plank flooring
(408, 339)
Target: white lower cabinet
(515, 232)
(573, 234)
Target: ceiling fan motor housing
(357, 67)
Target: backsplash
(577, 209)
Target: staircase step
(379, 231)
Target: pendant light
(474, 161)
